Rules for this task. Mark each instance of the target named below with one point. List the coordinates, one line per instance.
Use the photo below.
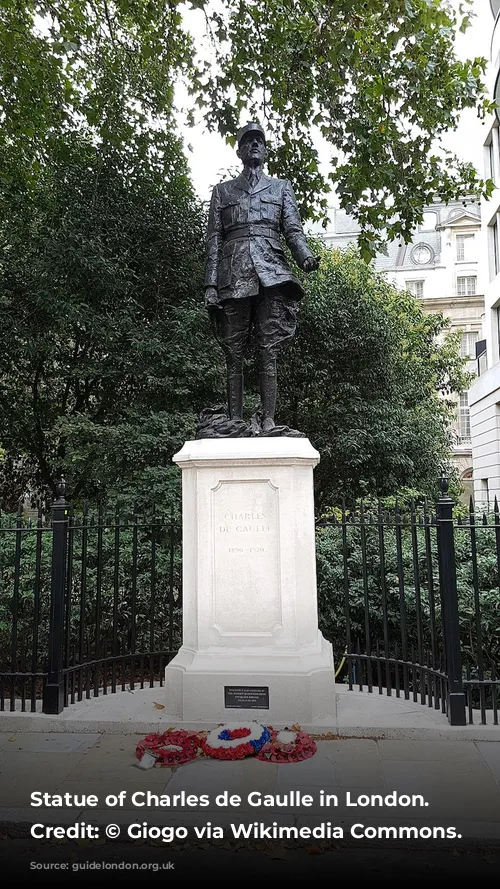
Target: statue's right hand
(211, 297)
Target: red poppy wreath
(288, 746)
(172, 748)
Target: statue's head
(252, 144)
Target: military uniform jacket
(244, 246)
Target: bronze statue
(249, 286)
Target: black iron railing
(123, 602)
(91, 604)
(419, 595)
(394, 635)
(25, 570)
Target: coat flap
(242, 183)
(264, 182)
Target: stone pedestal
(251, 645)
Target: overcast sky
(210, 157)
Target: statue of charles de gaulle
(250, 289)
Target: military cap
(250, 128)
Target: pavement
(453, 785)
(379, 750)
(358, 714)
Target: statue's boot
(235, 395)
(268, 391)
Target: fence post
(449, 606)
(53, 695)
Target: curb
(32, 722)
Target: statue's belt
(246, 231)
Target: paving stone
(114, 756)
(456, 778)
(465, 804)
(115, 745)
(55, 742)
(427, 751)
(350, 752)
(490, 752)
(22, 773)
(117, 773)
(365, 774)
(411, 776)
(449, 788)
(308, 778)
(213, 778)
(317, 772)
(107, 766)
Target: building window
(468, 345)
(494, 250)
(465, 248)
(481, 357)
(484, 492)
(490, 160)
(464, 416)
(466, 286)
(416, 288)
(428, 221)
(489, 157)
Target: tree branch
(110, 26)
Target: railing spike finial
(60, 486)
(444, 483)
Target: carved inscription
(246, 558)
(244, 523)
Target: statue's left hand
(211, 298)
(310, 264)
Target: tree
(379, 79)
(107, 66)
(106, 355)
(368, 379)
(101, 246)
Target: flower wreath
(172, 748)
(288, 746)
(235, 740)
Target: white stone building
(484, 394)
(442, 267)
